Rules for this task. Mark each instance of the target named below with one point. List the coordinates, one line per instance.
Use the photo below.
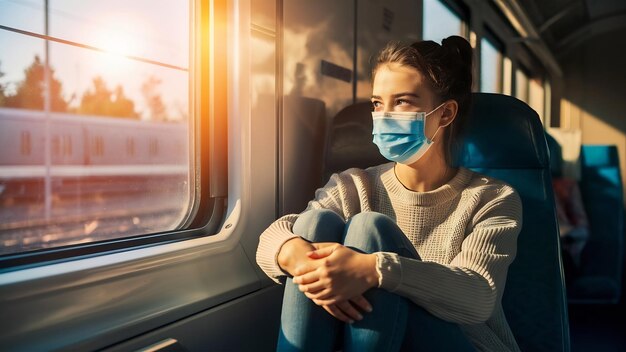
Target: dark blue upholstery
(602, 257)
(350, 140)
(556, 156)
(505, 139)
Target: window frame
(154, 287)
(208, 130)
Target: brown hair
(448, 70)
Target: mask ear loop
(432, 140)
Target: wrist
(289, 253)
(373, 276)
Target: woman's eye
(376, 104)
(402, 102)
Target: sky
(156, 30)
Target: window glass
(536, 97)
(521, 85)
(440, 22)
(491, 67)
(26, 15)
(97, 148)
(547, 111)
(507, 77)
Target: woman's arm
(466, 290)
(338, 195)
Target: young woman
(408, 255)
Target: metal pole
(46, 107)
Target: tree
(30, 92)
(101, 101)
(157, 109)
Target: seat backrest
(350, 140)
(601, 188)
(556, 156)
(505, 139)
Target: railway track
(22, 236)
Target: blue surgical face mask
(400, 136)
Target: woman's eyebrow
(403, 94)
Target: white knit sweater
(465, 233)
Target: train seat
(599, 276)
(504, 139)
(600, 279)
(350, 140)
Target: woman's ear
(448, 113)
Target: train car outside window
(491, 64)
(441, 21)
(25, 143)
(92, 96)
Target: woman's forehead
(393, 78)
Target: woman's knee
(370, 231)
(319, 225)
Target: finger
(307, 278)
(314, 287)
(324, 302)
(304, 269)
(337, 313)
(319, 245)
(362, 303)
(321, 253)
(348, 309)
(324, 295)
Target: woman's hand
(293, 254)
(337, 274)
(346, 311)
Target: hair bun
(459, 46)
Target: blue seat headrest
(599, 155)
(509, 128)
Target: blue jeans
(395, 324)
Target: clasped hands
(331, 275)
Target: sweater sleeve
(338, 195)
(466, 290)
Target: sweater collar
(440, 195)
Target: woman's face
(403, 88)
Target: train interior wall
(592, 111)
(287, 43)
(593, 100)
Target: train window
(521, 85)
(547, 111)
(491, 64)
(441, 21)
(94, 121)
(507, 76)
(19, 15)
(536, 96)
